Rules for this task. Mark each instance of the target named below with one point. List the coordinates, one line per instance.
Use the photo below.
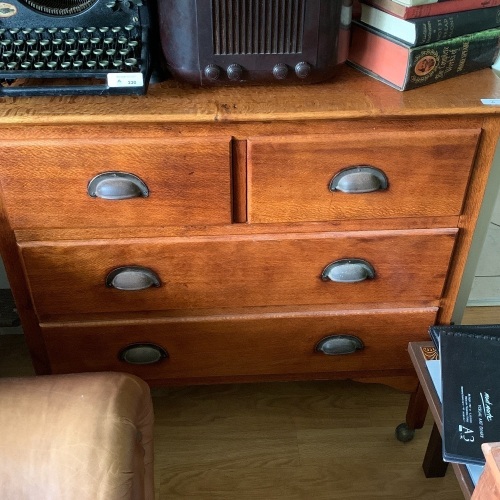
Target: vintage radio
(226, 42)
(58, 47)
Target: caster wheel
(404, 433)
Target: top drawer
(45, 183)
(426, 172)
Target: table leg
(433, 463)
(417, 409)
(415, 415)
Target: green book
(404, 67)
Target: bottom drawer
(239, 346)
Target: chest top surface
(350, 95)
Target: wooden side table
(433, 464)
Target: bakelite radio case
(223, 42)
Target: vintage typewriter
(72, 47)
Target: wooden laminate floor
(283, 441)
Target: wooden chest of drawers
(204, 236)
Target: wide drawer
(369, 175)
(71, 277)
(239, 346)
(109, 183)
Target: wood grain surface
(257, 270)
(243, 346)
(189, 181)
(350, 95)
(427, 174)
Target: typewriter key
(130, 62)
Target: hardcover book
(431, 9)
(431, 29)
(470, 374)
(489, 330)
(417, 2)
(404, 67)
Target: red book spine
(432, 9)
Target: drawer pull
(360, 179)
(339, 344)
(142, 354)
(132, 278)
(348, 271)
(117, 186)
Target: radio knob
(280, 71)
(212, 72)
(303, 69)
(234, 72)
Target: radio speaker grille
(257, 26)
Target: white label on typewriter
(7, 10)
(491, 102)
(125, 80)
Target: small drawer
(197, 349)
(359, 176)
(116, 183)
(106, 276)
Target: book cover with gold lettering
(404, 67)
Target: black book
(425, 30)
(470, 372)
(434, 331)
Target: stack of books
(411, 43)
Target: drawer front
(157, 182)
(243, 345)
(237, 271)
(319, 178)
